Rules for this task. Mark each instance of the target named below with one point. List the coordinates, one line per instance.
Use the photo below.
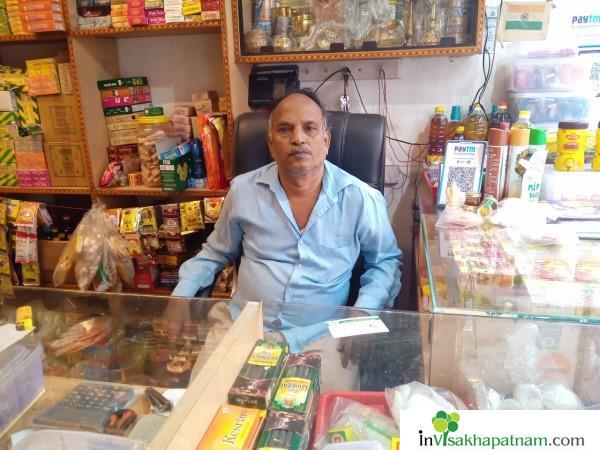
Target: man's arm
(380, 283)
(221, 248)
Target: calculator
(86, 407)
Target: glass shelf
(297, 30)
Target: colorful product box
(42, 16)
(31, 161)
(125, 91)
(299, 387)
(8, 175)
(124, 137)
(121, 110)
(113, 102)
(155, 12)
(122, 82)
(233, 427)
(34, 178)
(64, 76)
(157, 20)
(40, 26)
(40, 5)
(7, 151)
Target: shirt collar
(334, 179)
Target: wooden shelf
(213, 26)
(358, 54)
(34, 37)
(45, 190)
(158, 192)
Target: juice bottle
(500, 115)
(455, 119)
(438, 128)
(476, 125)
(523, 123)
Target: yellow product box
(64, 75)
(8, 175)
(7, 118)
(47, 84)
(124, 137)
(66, 163)
(233, 428)
(122, 127)
(192, 9)
(40, 66)
(9, 131)
(60, 118)
(122, 118)
(7, 151)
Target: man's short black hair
(311, 94)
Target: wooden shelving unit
(37, 37)
(213, 26)
(45, 190)
(158, 192)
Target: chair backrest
(357, 144)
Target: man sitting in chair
(299, 225)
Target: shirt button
(335, 199)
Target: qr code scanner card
(463, 165)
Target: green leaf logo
(444, 422)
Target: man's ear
(269, 143)
(328, 140)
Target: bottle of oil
(459, 133)
(455, 120)
(523, 123)
(500, 115)
(476, 125)
(438, 129)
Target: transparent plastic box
(551, 107)
(75, 440)
(21, 380)
(548, 74)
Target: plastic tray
(75, 440)
(375, 400)
(548, 74)
(550, 107)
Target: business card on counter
(356, 326)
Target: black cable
(343, 69)
(357, 91)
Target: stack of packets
(155, 12)
(42, 77)
(284, 387)
(181, 117)
(123, 101)
(118, 14)
(192, 10)
(8, 132)
(211, 10)
(32, 168)
(136, 12)
(212, 131)
(4, 24)
(35, 16)
(93, 14)
(174, 11)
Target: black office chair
(357, 146)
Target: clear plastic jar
(154, 126)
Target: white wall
(419, 84)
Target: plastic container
(151, 129)
(572, 138)
(375, 400)
(550, 107)
(548, 74)
(75, 440)
(432, 179)
(21, 380)
(567, 186)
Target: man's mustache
(299, 151)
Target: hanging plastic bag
(97, 253)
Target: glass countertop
(488, 271)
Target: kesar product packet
(256, 381)
(233, 427)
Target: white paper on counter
(9, 335)
(356, 326)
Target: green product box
(122, 82)
(254, 385)
(121, 110)
(174, 173)
(299, 386)
(284, 431)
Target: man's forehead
(297, 107)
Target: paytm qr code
(464, 177)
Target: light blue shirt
(284, 265)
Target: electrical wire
(331, 75)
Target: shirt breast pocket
(336, 261)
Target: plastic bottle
(455, 120)
(596, 160)
(500, 115)
(523, 123)
(459, 133)
(534, 165)
(438, 128)
(476, 125)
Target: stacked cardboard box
(93, 14)
(136, 12)
(174, 11)
(37, 16)
(118, 14)
(211, 10)
(155, 11)
(42, 77)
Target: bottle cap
(537, 136)
(456, 113)
(497, 137)
(460, 129)
(502, 105)
(524, 114)
(519, 137)
(565, 125)
(440, 109)
(477, 107)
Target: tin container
(571, 144)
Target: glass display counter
(302, 30)
(194, 356)
(491, 271)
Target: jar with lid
(152, 127)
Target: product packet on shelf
(212, 208)
(191, 216)
(299, 387)
(256, 381)
(233, 427)
(284, 431)
(213, 158)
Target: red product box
(41, 15)
(41, 5)
(155, 12)
(114, 102)
(138, 20)
(34, 178)
(146, 276)
(136, 3)
(210, 5)
(136, 12)
(38, 26)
